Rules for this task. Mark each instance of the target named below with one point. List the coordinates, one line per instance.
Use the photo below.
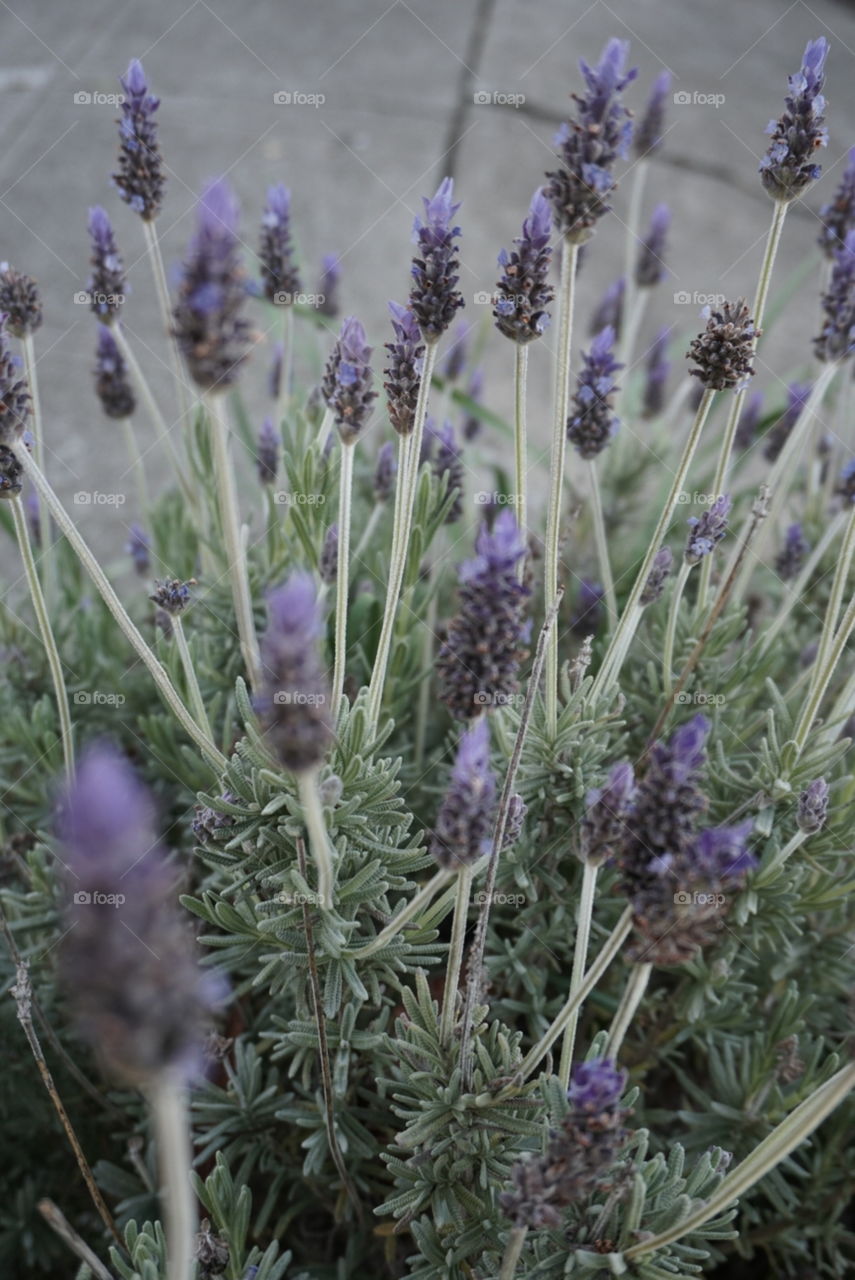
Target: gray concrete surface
(398, 79)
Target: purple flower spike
(127, 959)
(609, 310)
(779, 433)
(650, 266)
(404, 371)
(211, 332)
(813, 807)
(478, 662)
(107, 284)
(707, 530)
(112, 384)
(596, 1086)
(650, 129)
(328, 289)
(838, 216)
(279, 276)
(293, 701)
(836, 339)
(590, 143)
(846, 485)
(721, 853)
(793, 554)
(267, 452)
(607, 809)
(658, 576)
(592, 425)
(138, 548)
(20, 301)
(724, 352)
(524, 292)
(465, 819)
(433, 296)
(657, 366)
(788, 167)
(14, 393)
(346, 385)
(749, 421)
(139, 179)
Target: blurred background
(360, 109)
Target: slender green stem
(137, 465)
(602, 544)
(425, 687)
(796, 588)
(196, 702)
(455, 955)
(580, 960)
(822, 679)
(789, 1134)
(59, 1224)
(421, 899)
(150, 231)
(613, 661)
(38, 434)
(842, 709)
(342, 575)
(513, 1252)
(408, 474)
(154, 413)
(633, 317)
(284, 396)
(764, 875)
(47, 636)
(631, 242)
(175, 1157)
(521, 445)
(630, 1000)
(837, 593)
(671, 626)
(319, 841)
(566, 297)
(230, 520)
(325, 428)
(367, 533)
(90, 564)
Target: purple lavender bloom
(433, 296)
(749, 421)
(210, 331)
(279, 276)
(464, 822)
(267, 452)
(788, 167)
(404, 372)
(836, 339)
(596, 1085)
(20, 301)
(107, 284)
(838, 216)
(650, 266)
(707, 530)
(472, 423)
(127, 959)
(658, 576)
(11, 473)
(274, 377)
(813, 807)
(590, 143)
(478, 662)
(138, 548)
(293, 701)
(721, 854)
(609, 310)
(524, 292)
(588, 612)
(385, 472)
(328, 289)
(607, 809)
(793, 554)
(328, 565)
(592, 425)
(779, 433)
(446, 457)
(139, 180)
(346, 385)
(657, 366)
(14, 393)
(112, 383)
(172, 596)
(649, 131)
(724, 352)
(455, 358)
(846, 486)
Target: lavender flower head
(609, 310)
(836, 339)
(650, 129)
(127, 959)
(838, 216)
(279, 276)
(650, 266)
(11, 473)
(19, 299)
(788, 167)
(590, 143)
(404, 371)
(346, 385)
(592, 425)
(779, 433)
(14, 393)
(606, 811)
(657, 366)
(138, 548)
(846, 485)
(793, 554)
(478, 662)
(328, 289)
(720, 853)
(707, 531)
(524, 292)
(173, 596)
(657, 577)
(433, 296)
(112, 383)
(107, 284)
(464, 822)
(139, 179)
(595, 1086)
(293, 701)
(749, 421)
(267, 452)
(724, 352)
(385, 472)
(209, 328)
(813, 807)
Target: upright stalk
(631, 240)
(837, 593)
(421, 899)
(566, 298)
(153, 245)
(47, 636)
(319, 841)
(237, 566)
(455, 955)
(342, 574)
(137, 465)
(38, 433)
(284, 395)
(671, 625)
(580, 960)
(175, 1158)
(513, 1252)
(154, 413)
(797, 587)
(822, 679)
(521, 445)
(196, 702)
(602, 544)
(631, 999)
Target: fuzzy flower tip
(465, 819)
(279, 276)
(346, 385)
(478, 662)
(210, 330)
(14, 393)
(112, 383)
(107, 284)
(657, 366)
(789, 165)
(593, 424)
(793, 553)
(650, 129)
(524, 293)
(724, 352)
(657, 577)
(838, 216)
(590, 144)
(267, 452)
(707, 531)
(813, 807)
(127, 958)
(650, 265)
(20, 300)
(606, 811)
(434, 297)
(139, 179)
(403, 373)
(293, 703)
(836, 339)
